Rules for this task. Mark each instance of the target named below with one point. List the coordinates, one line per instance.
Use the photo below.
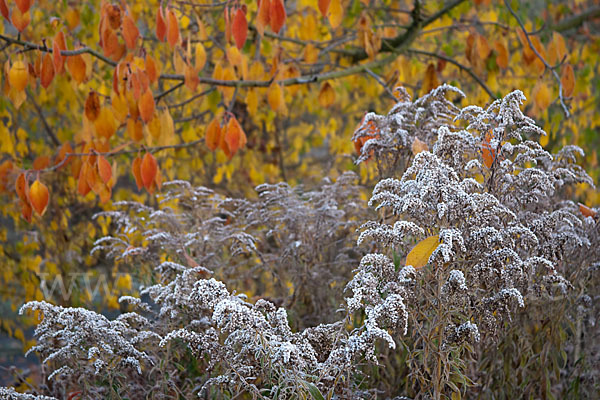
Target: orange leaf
(586, 211)
(263, 16)
(213, 134)
(277, 15)
(41, 162)
(324, 6)
(130, 32)
(20, 20)
(21, 188)
(161, 25)
(39, 196)
(77, 67)
(18, 76)
(82, 186)
(191, 78)
(240, 28)
(104, 169)
(62, 153)
(148, 170)
(135, 129)
(26, 211)
(487, 152)
(92, 106)
(431, 80)
(234, 136)
(151, 69)
(105, 124)
(4, 10)
(47, 74)
(172, 28)
(113, 13)
(146, 106)
(501, 54)
(326, 95)
(567, 80)
(58, 44)
(24, 5)
(137, 173)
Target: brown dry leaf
(418, 146)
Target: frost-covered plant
(504, 237)
(289, 243)
(476, 248)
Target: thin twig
(46, 49)
(47, 127)
(460, 66)
(548, 67)
(168, 91)
(382, 83)
(194, 97)
(120, 152)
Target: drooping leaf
(567, 80)
(104, 169)
(277, 15)
(239, 28)
(234, 135)
(77, 68)
(263, 16)
(39, 196)
(22, 188)
(130, 32)
(172, 28)
(161, 25)
(47, 72)
(136, 170)
(92, 106)
(58, 44)
(146, 106)
(326, 95)
(18, 76)
(418, 257)
(20, 20)
(324, 6)
(213, 135)
(24, 5)
(336, 13)
(148, 170)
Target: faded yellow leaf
(419, 255)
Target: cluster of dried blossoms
(505, 238)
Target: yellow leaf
(419, 255)
(275, 97)
(419, 146)
(541, 96)
(326, 95)
(336, 13)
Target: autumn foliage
(105, 101)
